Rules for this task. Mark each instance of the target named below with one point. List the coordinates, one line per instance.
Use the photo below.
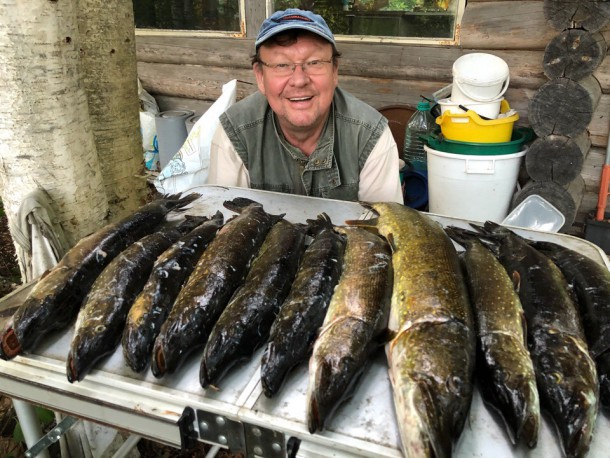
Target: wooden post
(574, 54)
(590, 15)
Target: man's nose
(299, 75)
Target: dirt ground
(10, 278)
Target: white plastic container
(537, 213)
(477, 188)
(489, 109)
(479, 77)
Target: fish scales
(432, 354)
(101, 320)
(244, 324)
(505, 369)
(565, 373)
(357, 313)
(55, 300)
(591, 283)
(220, 270)
(302, 313)
(152, 305)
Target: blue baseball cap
(293, 18)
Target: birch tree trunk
(108, 57)
(45, 132)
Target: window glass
(391, 18)
(222, 15)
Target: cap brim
(291, 26)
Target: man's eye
(314, 63)
(282, 66)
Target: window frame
(246, 26)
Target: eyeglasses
(312, 67)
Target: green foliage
(45, 416)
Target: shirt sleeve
(226, 167)
(379, 178)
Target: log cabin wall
(188, 72)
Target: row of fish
(332, 294)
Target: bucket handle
(456, 81)
(474, 167)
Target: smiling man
(300, 133)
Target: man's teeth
(299, 99)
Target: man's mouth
(299, 99)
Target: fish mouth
(159, 368)
(71, 372)
(10, 346)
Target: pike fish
(219, 272)
(431, 356)
(152, 305)
(357, 314)
(296, 326)
(590, 281)
(101, 320)
(565, 373)
(55, 300)
(505, 369)
(244, 324)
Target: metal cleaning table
(175, 410)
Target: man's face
(300, 100)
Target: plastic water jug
(421, 123)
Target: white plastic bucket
(489, 109)
(477, 188)
(479, 77)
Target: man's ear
(257, 68)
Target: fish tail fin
(9, 345)
(191, 222)
(321, 223)
(178, 201)
(239, 203)
(462, 236)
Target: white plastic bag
(189, 166)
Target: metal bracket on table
(264, 442)
(51, 437)
(186, 426)
(221, 430)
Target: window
(216, 15)
(434, 19)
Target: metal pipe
(30, 425)
(129, 443)
(212, 452)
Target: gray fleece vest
(332, 171)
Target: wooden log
(563, 106)
(574, 54)
(590, 15)
(566, 199)
(557, 158)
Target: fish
(244, 325)
(431, 346)
(356, 316)
(566, 375)
(302, 313)
(504, 366)
(55, 300)
(152, 305)
(220, 270)
(101, 320)
(590, 281)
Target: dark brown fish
(219, 272)
(244, 324)
(565, 373)
(591, 283)
(302, 313)
(55, 300)
(101, 320)
(152, 305)
(504, 367)
(356, 316)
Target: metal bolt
(276, 447)
(258, 451)
(203, 426)
(220, 421)
(222, 440)
(256, 432)
(28, 454)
